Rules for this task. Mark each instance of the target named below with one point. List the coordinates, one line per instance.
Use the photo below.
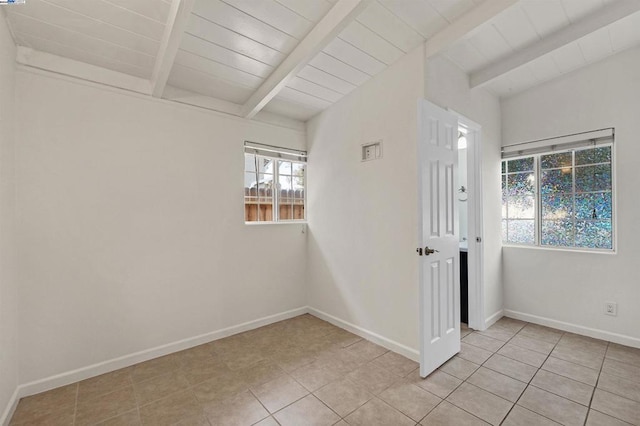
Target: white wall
(363, 220)
(362, 266)
(8, 285)
(568, 286)
(448, 87)
(131, 226)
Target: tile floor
(305, 371)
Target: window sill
(560, 249)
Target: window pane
(520, 184)
(504, 231)
(298, 173)
(284, 167)
(557, 233)
(594, 155)
(556, 207)
(504, 196)
(285, 182)
(553, 181)
(593, 206)
(521, 165)
(265, 198)
(504, 166)
(593, 178)
(594, 234)
(554, 161)
(521, 231)
(522, 207)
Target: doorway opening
(469, 192)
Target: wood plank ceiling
(228, 48)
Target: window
(274, 184)
(560, 195)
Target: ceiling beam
(174, 28)
(338, 17)
(463, 25)
(58, 64)
(592, 22)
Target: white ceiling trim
(463, 25)
(174, 29)
(81, 70)
(338, 17)
(569, 34)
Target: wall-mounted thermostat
(372, 150)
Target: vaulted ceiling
(294, 58)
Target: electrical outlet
(611, 308)
(372, 151)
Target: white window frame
(274, 153)
(570, 143)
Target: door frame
(475, 251)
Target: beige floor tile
(342, 337)
(63, 417)
(197, 420)
(498, 333)
(616, 406)
(583, 343)
(292, 359)
(344, 396)
(458, 367)
(573, 371)
(624, 354)
(473, 353)
(410, 400)
(315, 375)
(342, 361)
(510, 367)
(308, 411)
(480, 403)
(269, 421)
(153, 368)
(396, 363)
(197, 354)
(532, 344)
(170, 410)
(159, 387)
(511, 324)
(527, 356)
(62, 401)
(584, 358)
(596, 418)
(447, 414)
(626, 388)
(438, 383)
(105, 383)
(540, 332)
(240, 409)
(260, 373)
(130, 418)
(279, 393)
(243, 358)
(464, 333)
(553, 406)
(203, 370)
(378, 413)
(367, 350)
(221, 386)
(520, 416)
(103, 407)
(484, 342)
(373, 378)
(621, 369)
(497, 383)
(563, 386)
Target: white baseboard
(394, 346)
(11, 408)
(575, 328)
(493, 318)
(69, 377)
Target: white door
(438, 237)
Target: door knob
(428, 251)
